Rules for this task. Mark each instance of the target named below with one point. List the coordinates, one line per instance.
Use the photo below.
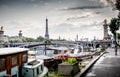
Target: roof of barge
(12, 50)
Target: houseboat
(33, 69)
(14, 62)
(11, 61)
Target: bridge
(60, 43)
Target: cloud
(79, 17)
(67, 27)
(82, 16)
(93, 26)
(84, 7)
(29, 16)
(63, 27)
(108, 2)
(30, 29)
(67, 30)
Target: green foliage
(54, 74)
(114, 25)
(118, 35)
(119, 46)
(72, 74)
(69, 61)
(118, 5)
(103, 48)
(81, 66)
(14, 41)
(40, 38)
(58, 39)
(28, 39)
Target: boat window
(14, 60)
(49, 53)
(65, 51)
(14, 75)
(55, 52)
(24, 58)
(26, 70)
(38, 70)
(2, 63)
(41, 67)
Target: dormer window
(24, 57)
(14, 60)
(2, 64)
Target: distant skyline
(66, 18)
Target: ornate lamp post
(46, 43)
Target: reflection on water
(41, 51)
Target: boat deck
(44, 73)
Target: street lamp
(45, 46)
(46, 43)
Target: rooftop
(12, 50)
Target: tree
(28, 39)
(114, 26)
(118, 35)
(40, 38)
(14, 41)
(117, 5)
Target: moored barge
(14, 63)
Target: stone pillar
(105, 26)
(1, 36)
(20, 36)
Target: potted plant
(68, 67)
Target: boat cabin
(33, 69)
(12, 60)
(48, 61)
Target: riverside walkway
(107, 66)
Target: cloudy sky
(67, 18)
